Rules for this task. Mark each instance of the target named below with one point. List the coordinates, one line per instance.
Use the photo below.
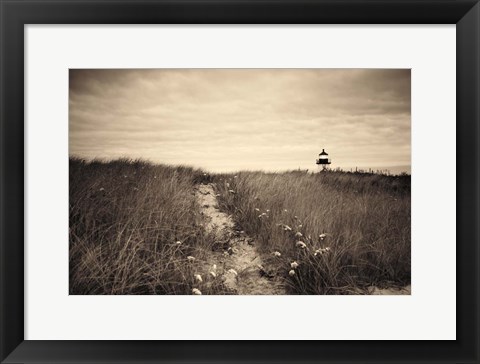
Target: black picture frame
(15, 14)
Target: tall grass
(355, 226)
(134, 225)
(126, 218)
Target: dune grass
(346, 231)
(132, 227)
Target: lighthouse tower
(323, 160)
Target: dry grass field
(329, 232)
(138, 228)
(133, 226)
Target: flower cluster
(294, 265)
(321, 251)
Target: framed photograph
(239, 181)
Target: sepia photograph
(239, 182)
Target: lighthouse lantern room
(323, 160)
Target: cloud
(226, 120)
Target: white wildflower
(321, 251)
(277, 254)
(322, 236)
(214, 267)
(198, 277)
(102, 189)
(257, 209)
(294, 265)
(178, 242)
(213, 274)
(291, 273)
(231, 191)
(298, 234)
(233, 271)
(287, 228)
(301, 245)
(190, 258)
(196, 291)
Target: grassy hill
(135, 227)
(355, 227)
(126, 219)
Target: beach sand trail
(236, 253)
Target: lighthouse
(323, 160)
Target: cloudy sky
(228, 120)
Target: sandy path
(407, 290)
(235, 252)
